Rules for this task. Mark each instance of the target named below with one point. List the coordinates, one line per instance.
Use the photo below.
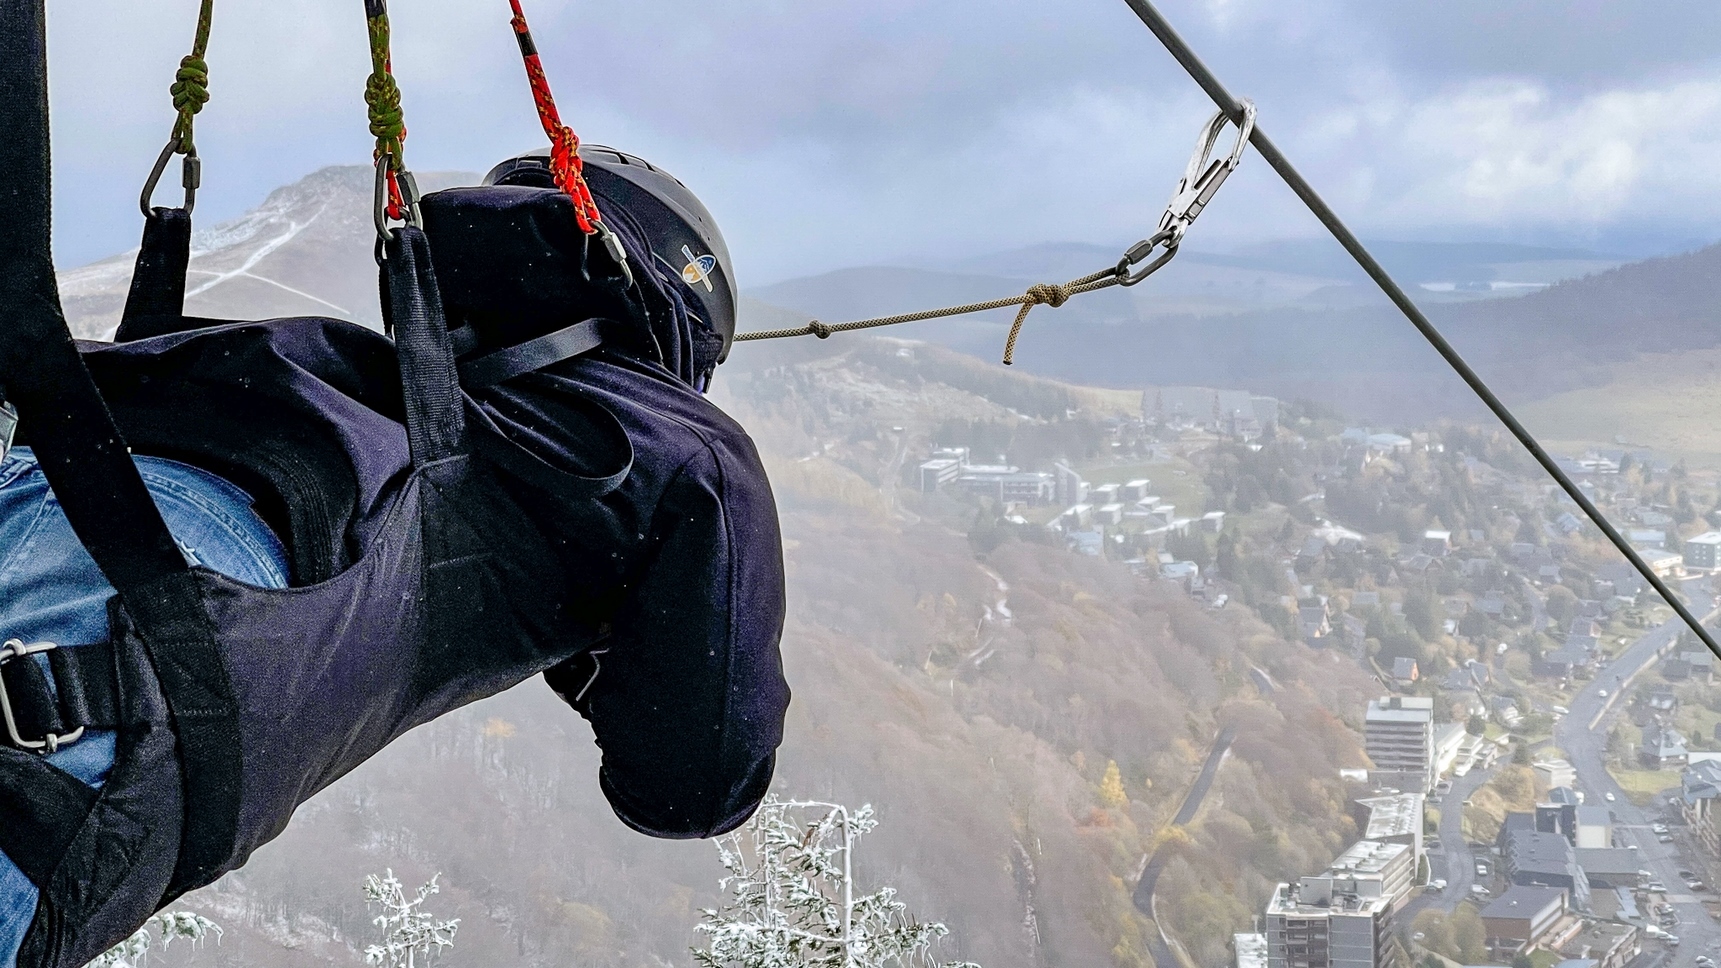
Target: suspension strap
(566, 166)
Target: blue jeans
(51, 590)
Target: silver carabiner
(1200, 182)
(1203, 176)
(190, 177)
(408, 197)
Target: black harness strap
(84, 693)
(435, 409)
(81, 450)
(90, 469)
(156, 303)
(535, 354)
(44, 810)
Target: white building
(1341, 918)
(1703, 553)
(1398, 735)
(1251, 950)
(1556, 773)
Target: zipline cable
(1235, 110)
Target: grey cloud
(829, 132)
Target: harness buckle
(51, 743)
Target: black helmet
(682, 235)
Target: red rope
(565, 164)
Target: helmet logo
(698, 269)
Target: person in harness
(239, 558)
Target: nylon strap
(61, 412)
(156, 302)
(90, 469)
(84, 692)
(535, 354)
(435, 407)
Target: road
(1159, 943)
(1582, 734)
(1452, 862)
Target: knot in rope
(190, 92)
(1045, 293)
(819, 329)
(382, 98)
(387, 121)
(1048, 293)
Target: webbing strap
(81, 451)
(84, 693)
(90, 469)
(156, 302)
(435, 408)
(170, 618)
(535, 354)
(44, 809)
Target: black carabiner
(190, 177)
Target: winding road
(1159, 943)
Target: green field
(1642, 785)
(1666, 402)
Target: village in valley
(1545, 751)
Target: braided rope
(566, 167)
(382, 97)
(1042, 294)
(190, 89)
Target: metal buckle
(16, 649)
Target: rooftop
(1366, 857)
(1397, 815)
(1524, 902)
(1286, 900)
(1538, 852)
(1608, 860)
(1404, 709)
(1251, 950)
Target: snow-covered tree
(133, 952)
(407, 928)
(792, 898)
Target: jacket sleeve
(687, 697)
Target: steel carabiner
(1203, 176)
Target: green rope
(190, 88)
(382, 96)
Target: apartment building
(1398, 734)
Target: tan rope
(1046, 294)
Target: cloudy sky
(826, 133)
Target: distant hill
(1252, 320)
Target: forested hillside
(975, 697)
